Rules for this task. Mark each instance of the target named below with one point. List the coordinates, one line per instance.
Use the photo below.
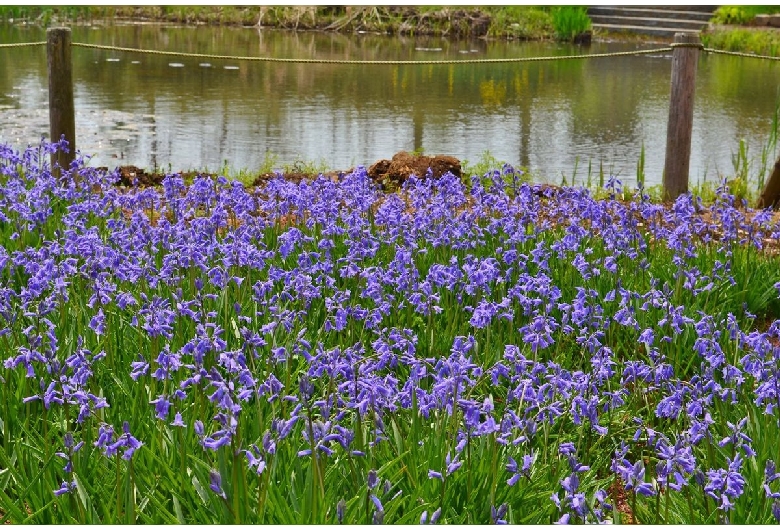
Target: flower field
(325, 352)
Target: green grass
(760, 41)
(741, 14)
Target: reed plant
(570, 21)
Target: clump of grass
(489, 170)
(485, 163)
(305, 167)
(522, 22)
(570, 21)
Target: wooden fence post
(770, 195)
(62, 116)
(685, 58)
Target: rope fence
(665, 49)
(375, 62)
(685, 53)
(22, 44)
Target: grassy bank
(736, 30)
(523, 22)
(761, 41)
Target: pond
(553, 117)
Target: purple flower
(162, 407)
(98, 323)
(105, 436)
(373, 479)
(435, 516)
(497, 515)
(65, 487)
(452, 464)
(178, 421)
(255, 460)
(738, 438)
(158, 317)
(215, 483)
(139, 368)
(538, 333)
(632, 475)
(673, 462)
(377, 503)
(725, 485)
(567, 449)
(341, 507)
(126, 441)
(512, 467)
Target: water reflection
(158, 111)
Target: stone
(768, 20)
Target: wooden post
(685, 58)
(771, 193)
(62, 116)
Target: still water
(551, 117)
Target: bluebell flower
(255, 460)
(435, 474)
(162, 407)
(738, 438)
(726, 485)
(98, 322)
(178, 421)
(497, 514)
(215, 483)
(65, 487)
(632, 475)
(377, 503)
(373, 479)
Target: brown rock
(134, 176)
(393, 173)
